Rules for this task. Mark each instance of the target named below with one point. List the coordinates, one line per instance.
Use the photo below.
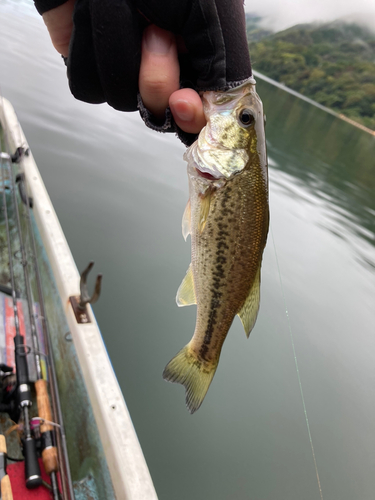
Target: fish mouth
(206, 175)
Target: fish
(227, 217)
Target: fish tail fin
(196, 376)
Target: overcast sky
(280, 14)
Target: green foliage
(333, 64)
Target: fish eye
(246, 117)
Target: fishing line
(296, 365)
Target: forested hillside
(334, 64)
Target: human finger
(159, 71)
(187, 110)
(59, 22)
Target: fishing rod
(50, 415)
(49, 450)
(67, 485)
(32, 471)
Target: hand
(159, 72)
(113, 52)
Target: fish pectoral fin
(249, 311)
(186, 221)
(186, 293)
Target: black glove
(105, 49)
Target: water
(120, 190)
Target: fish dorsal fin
(186, 293)
(249, 311)
(204, 209)
(186, 221)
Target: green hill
(334, 64)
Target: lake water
(119, 191)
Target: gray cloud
(280, 14)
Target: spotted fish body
(227, 217)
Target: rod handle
(50, 461)
(6, 489)
(49, 453)
(21, 360)
(32, 470)
(42, 401)
(3, 444)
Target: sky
(280, 14)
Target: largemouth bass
(227, 217)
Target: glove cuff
(165, 124)
(43, 6)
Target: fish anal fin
(249, 311)
(186, 369)
(186, 221)
(186, 293)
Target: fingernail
(157, 40)
(183, 110)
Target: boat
(88, 424)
